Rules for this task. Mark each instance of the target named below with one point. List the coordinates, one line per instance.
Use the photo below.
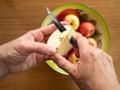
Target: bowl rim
(88, 9)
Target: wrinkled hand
(27, 51)
(94, 70)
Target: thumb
(64, 63)
(42, 48)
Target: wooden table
(19, 16)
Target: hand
(94, 70)
(26, 51)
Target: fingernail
(52, 50)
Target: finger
(50, 28)
(64, 63)
(41, 48)
(40, 33)
(82, 44)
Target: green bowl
(101, 27)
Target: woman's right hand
(94, 70)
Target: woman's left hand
(27, 51)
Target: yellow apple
(73, 20)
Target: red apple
(60, 16)
(87, 29)
(92, 42)
(71, 57)
(73, 20)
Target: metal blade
(55, 21)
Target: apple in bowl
(71, 15)
(87, 29)
(73, 21)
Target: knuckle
(94, 54)
(109, 58)
(63, 65)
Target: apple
(61, 40)
(61, 15)
(87, 29)
(92, 42)
(73, 20)
(71, 57)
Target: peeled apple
(61, 40)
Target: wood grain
(19, 16)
